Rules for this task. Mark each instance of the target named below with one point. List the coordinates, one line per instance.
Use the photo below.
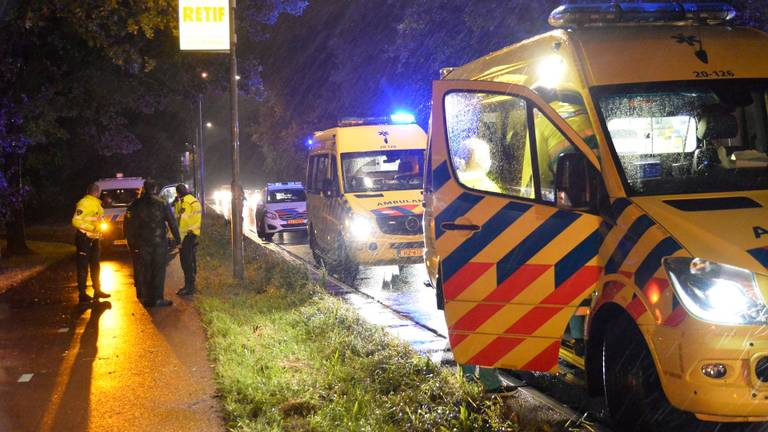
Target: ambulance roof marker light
(597, 14)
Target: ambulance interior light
(575, 15)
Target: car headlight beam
(715, 292)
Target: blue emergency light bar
(402, 118)
(396, 118)
(596, 14)
(284, 184)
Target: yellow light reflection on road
(111, 322)
(109, 275)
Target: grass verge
(288, 356)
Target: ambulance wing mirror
(577, 183)
(328, 189)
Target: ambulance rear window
(111, 198)
(286, 195)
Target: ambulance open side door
(516, 252)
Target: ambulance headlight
(359, 227)
(271, 215)
(715, 292)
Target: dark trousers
(138, 278)
(88, 257)
(188, 257)
(153, 262)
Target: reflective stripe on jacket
(87, 217)
(189, 214)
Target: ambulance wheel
(633, 392)
(349, 272)
(313, 247)
(267, 237)
(344, 267)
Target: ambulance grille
(400, 225)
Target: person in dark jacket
(147, 221)
(138, 279)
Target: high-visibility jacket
(550, 143)
(88, 215)
(189, 213)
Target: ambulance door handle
(452, 226)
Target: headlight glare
(715, 292)
(359, 227)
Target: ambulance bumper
(388, 250)
(740, 395)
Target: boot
(99, 294)
(186, 291)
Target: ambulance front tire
(632, 389)
(313, 246)
(343, 265)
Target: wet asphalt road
(108, 366)
(404, 290)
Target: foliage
(290, 357)
(12, 145)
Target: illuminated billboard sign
(204, 25)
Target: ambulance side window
(321, 172)
(311, 174)
(488, 142)
(318, 170)
(334, 176)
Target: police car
(282, 209)
(116, 194)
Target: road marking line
(25, 378)
(62, 330)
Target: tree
(95, 86)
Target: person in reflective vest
(87, 220)
(189, 213)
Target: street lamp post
(201, 150)
(237, 190)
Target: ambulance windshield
(111, 198)
(385, 170)
(689, 137)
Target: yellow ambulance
(597, 195)
(364, 194)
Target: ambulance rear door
(516, 254)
